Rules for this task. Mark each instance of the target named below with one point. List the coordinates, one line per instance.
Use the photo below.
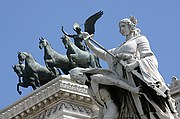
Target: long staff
(123, 63)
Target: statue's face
(81, 79)
(124, 29)
(78, 76)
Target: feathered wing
(90, 22)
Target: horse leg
(33, 85)
(19, 79)
(36, 80)
(65, 70)
(49, 62)
(18, 89)
(55, 71)
(71, 61)
(97, 61)
(51, 68)
(92, 62)
(22, 85)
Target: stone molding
(175, 87)
(59, 94)
(67, 108)
(175, 92)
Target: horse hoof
(20, 92)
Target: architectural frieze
(59, 94)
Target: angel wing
(90, 22)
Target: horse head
(65, 40)
(42, 43)
(23, 56)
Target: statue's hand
(137, 90)
(131, 66)
(86, 35)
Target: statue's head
(76, 27)
(129, 26)
(78, 76)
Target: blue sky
(23, 22)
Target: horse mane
(48, 43)
(25, 53)
(69, 40)
(29, 55)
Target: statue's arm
(101, 79)
(69, 35)
(99, 52)
(65, 33)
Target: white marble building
(175, 92)
(58, 99)
(63, 99)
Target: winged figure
(89, 26)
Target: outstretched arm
(101, 79)
(99, 52)
(69, 35)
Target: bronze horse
(78, 57)
(34, 69)
(26, 81)
(54, 59)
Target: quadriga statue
(54, 59)
(132, 87)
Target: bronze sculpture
(89, 26)
(54, 59)
(33, 69)
(78, 57)
(24, 81)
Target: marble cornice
(175, 87)
(61, 88)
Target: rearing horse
(26, 81)
(54, 59)
(34, 69)
(76, 56)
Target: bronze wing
(90, 22)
